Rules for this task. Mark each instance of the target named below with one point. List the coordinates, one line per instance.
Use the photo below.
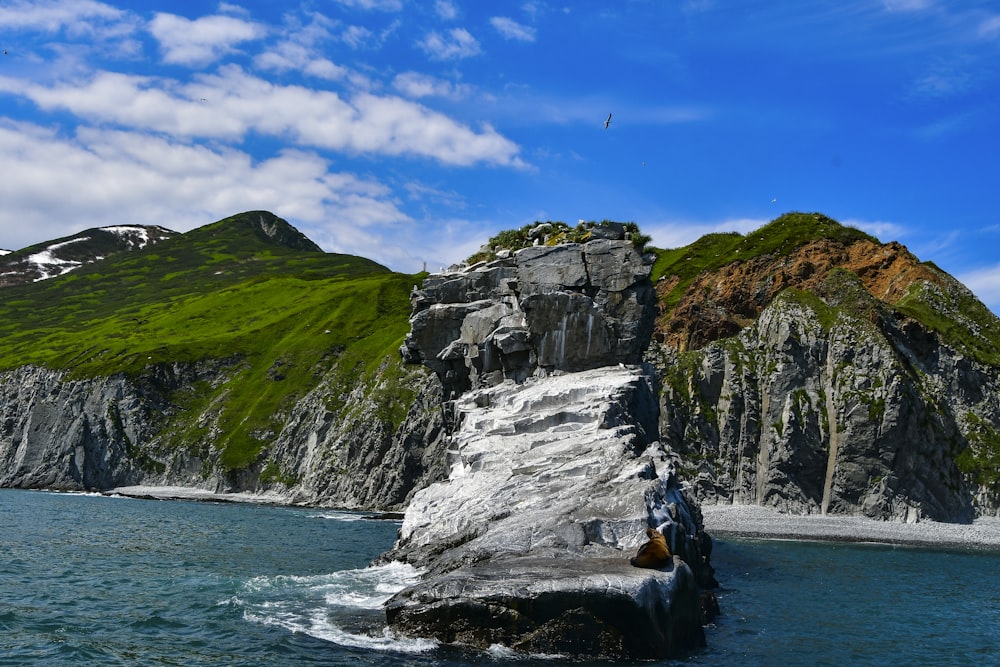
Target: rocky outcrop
(553, 483)
(555, 469)
(720, 303)
(568, 307)
(584, 607)
(353, 457)
(66, 435)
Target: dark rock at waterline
(552, 486)
(580, 607)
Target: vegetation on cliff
(714, 287)
(552, 233)
(250, 290)
(279, 323)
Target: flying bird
(607, 122)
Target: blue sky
(411, 132)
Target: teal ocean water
(92, 580)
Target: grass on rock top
(713, 251)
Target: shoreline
(740, 521)
(195, 494)
(764, 523)
(144, 492)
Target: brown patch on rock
(718, 304)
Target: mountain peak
(720, 284)
(267, 227)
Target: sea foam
(343, 607)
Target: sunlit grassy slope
(283, 315)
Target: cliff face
(235, 357)
(814, 381)
(805, 366)
(101, 433)
(544, 309)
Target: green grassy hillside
(261, 296)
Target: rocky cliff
(834, 375)
(554, 465)
(101, 433)
(805, 366)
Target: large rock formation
(555, 468)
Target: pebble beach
(757, 522)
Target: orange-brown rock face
(720, 303)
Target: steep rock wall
(544, 309)
(864, 414)
(100, 433)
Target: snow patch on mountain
(49, 265)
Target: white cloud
(292, 56)
(907, 5)
(203, 40)
(110, 177)
(415, 84)
(883, 231)
(678, 234)
(989, 28)
(301, 49)
(457, 44)
(232, 103)
(369, 5)
(985, 284)
(356, 36)
(446, 10)
(55, 15)
(946, 78)
(511, 29)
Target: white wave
(347, 517)
(320, 627)
(342, 607)
(93, 494)
(351, 517)
(502, 653)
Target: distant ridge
(60, 256)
